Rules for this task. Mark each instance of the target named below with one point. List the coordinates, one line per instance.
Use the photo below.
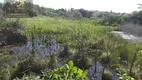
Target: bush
(126, 77)
(10, 32)
(31, 64)
(31, 77)
(82, 62)
(66, 72)
(114, 66)
(65, 52)
(16, 38)
(5, 72)
(107, 76)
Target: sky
(121, 6)
(126, 6)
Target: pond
(41, 49)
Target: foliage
(11, 32)
(5, 73)
(31, 77)
(82, 37)
(65, 52)
(135, 17)
(123, 75)
(107, 76)
(66, 72)
(126, 77)
(107, 18)
(52, 64)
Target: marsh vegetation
(70, 45)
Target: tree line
(103, 17)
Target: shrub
(66, 72)
(107, 76)
(16, 38)
(31, 64)
(31, 77)
(5, 72)
(65, 52)
(82, 62)
(126, 77)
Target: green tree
(7, 8)
(85, 13)
(77, 15)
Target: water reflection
(41, 49)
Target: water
(128, 36)
(41, 49)
(2, 43)
(99, 72)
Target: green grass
(68, 27)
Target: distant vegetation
(103, 18)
